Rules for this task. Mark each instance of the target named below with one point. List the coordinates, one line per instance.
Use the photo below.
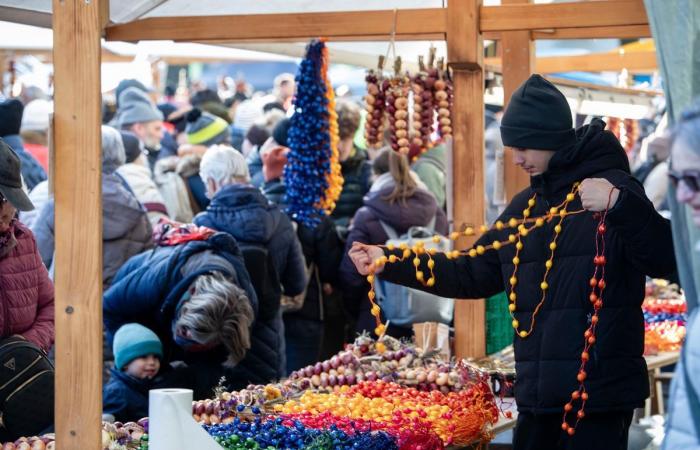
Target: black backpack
(264, 277)
(26, 388)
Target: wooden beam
(465, 50)
(610, 32)
(518, 64)
(78, 219)
(599, 62)
(359, 25)
(634, 62)
(599, 88)
(570, 20)
(104, 14)
(563, 15)
(3, 67)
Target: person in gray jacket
(683, 424)
(126, 230)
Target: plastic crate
(499, 331)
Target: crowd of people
(206, 275)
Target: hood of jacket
(244, 212)
(121, 212)
(417, 210)
(596, 150)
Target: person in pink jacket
(26, 292)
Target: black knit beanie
(279, 133)
(10, 117)
(538, 117)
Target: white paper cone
(170, 422)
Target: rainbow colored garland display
(312, 174)
(424, 263)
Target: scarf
(168, 233)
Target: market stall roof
(38, 12)
(27, 39)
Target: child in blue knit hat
(137, 356)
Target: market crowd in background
(205, 274)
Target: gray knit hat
(136, 107)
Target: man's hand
(598, 194)
(363, 256)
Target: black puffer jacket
(357, 173)
(638, 243)
(321, 246)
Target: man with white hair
(138, 114)
(241, 210)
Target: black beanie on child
(538, 117)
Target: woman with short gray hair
(194, 292)
(216, 311)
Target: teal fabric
(133, 341)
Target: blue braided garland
(308, 139)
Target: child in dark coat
(137, 369)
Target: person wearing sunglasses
(26, 292)
(683, 424)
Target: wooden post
(465, 51)
(76, 30)
(518, 64)
(3, 67)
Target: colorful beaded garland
(559, 213)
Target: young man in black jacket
(537, 126)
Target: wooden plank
(3, 67)
(563, 15)
(518, 64)
(78, 277)
(600, 88)
(465, 49)
(599, 62)
(359, 25)
(579, 20)
(104, 14)
(610, 32)
(634, 62)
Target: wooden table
(655, 403)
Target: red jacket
(26, 293)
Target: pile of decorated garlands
(115, 436)
(665, 315)
(371, 414)
(414, 108)
(376, 394)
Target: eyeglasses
(691, 178)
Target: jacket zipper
(32, 379)
(38, 358)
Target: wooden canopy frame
(78, 26)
